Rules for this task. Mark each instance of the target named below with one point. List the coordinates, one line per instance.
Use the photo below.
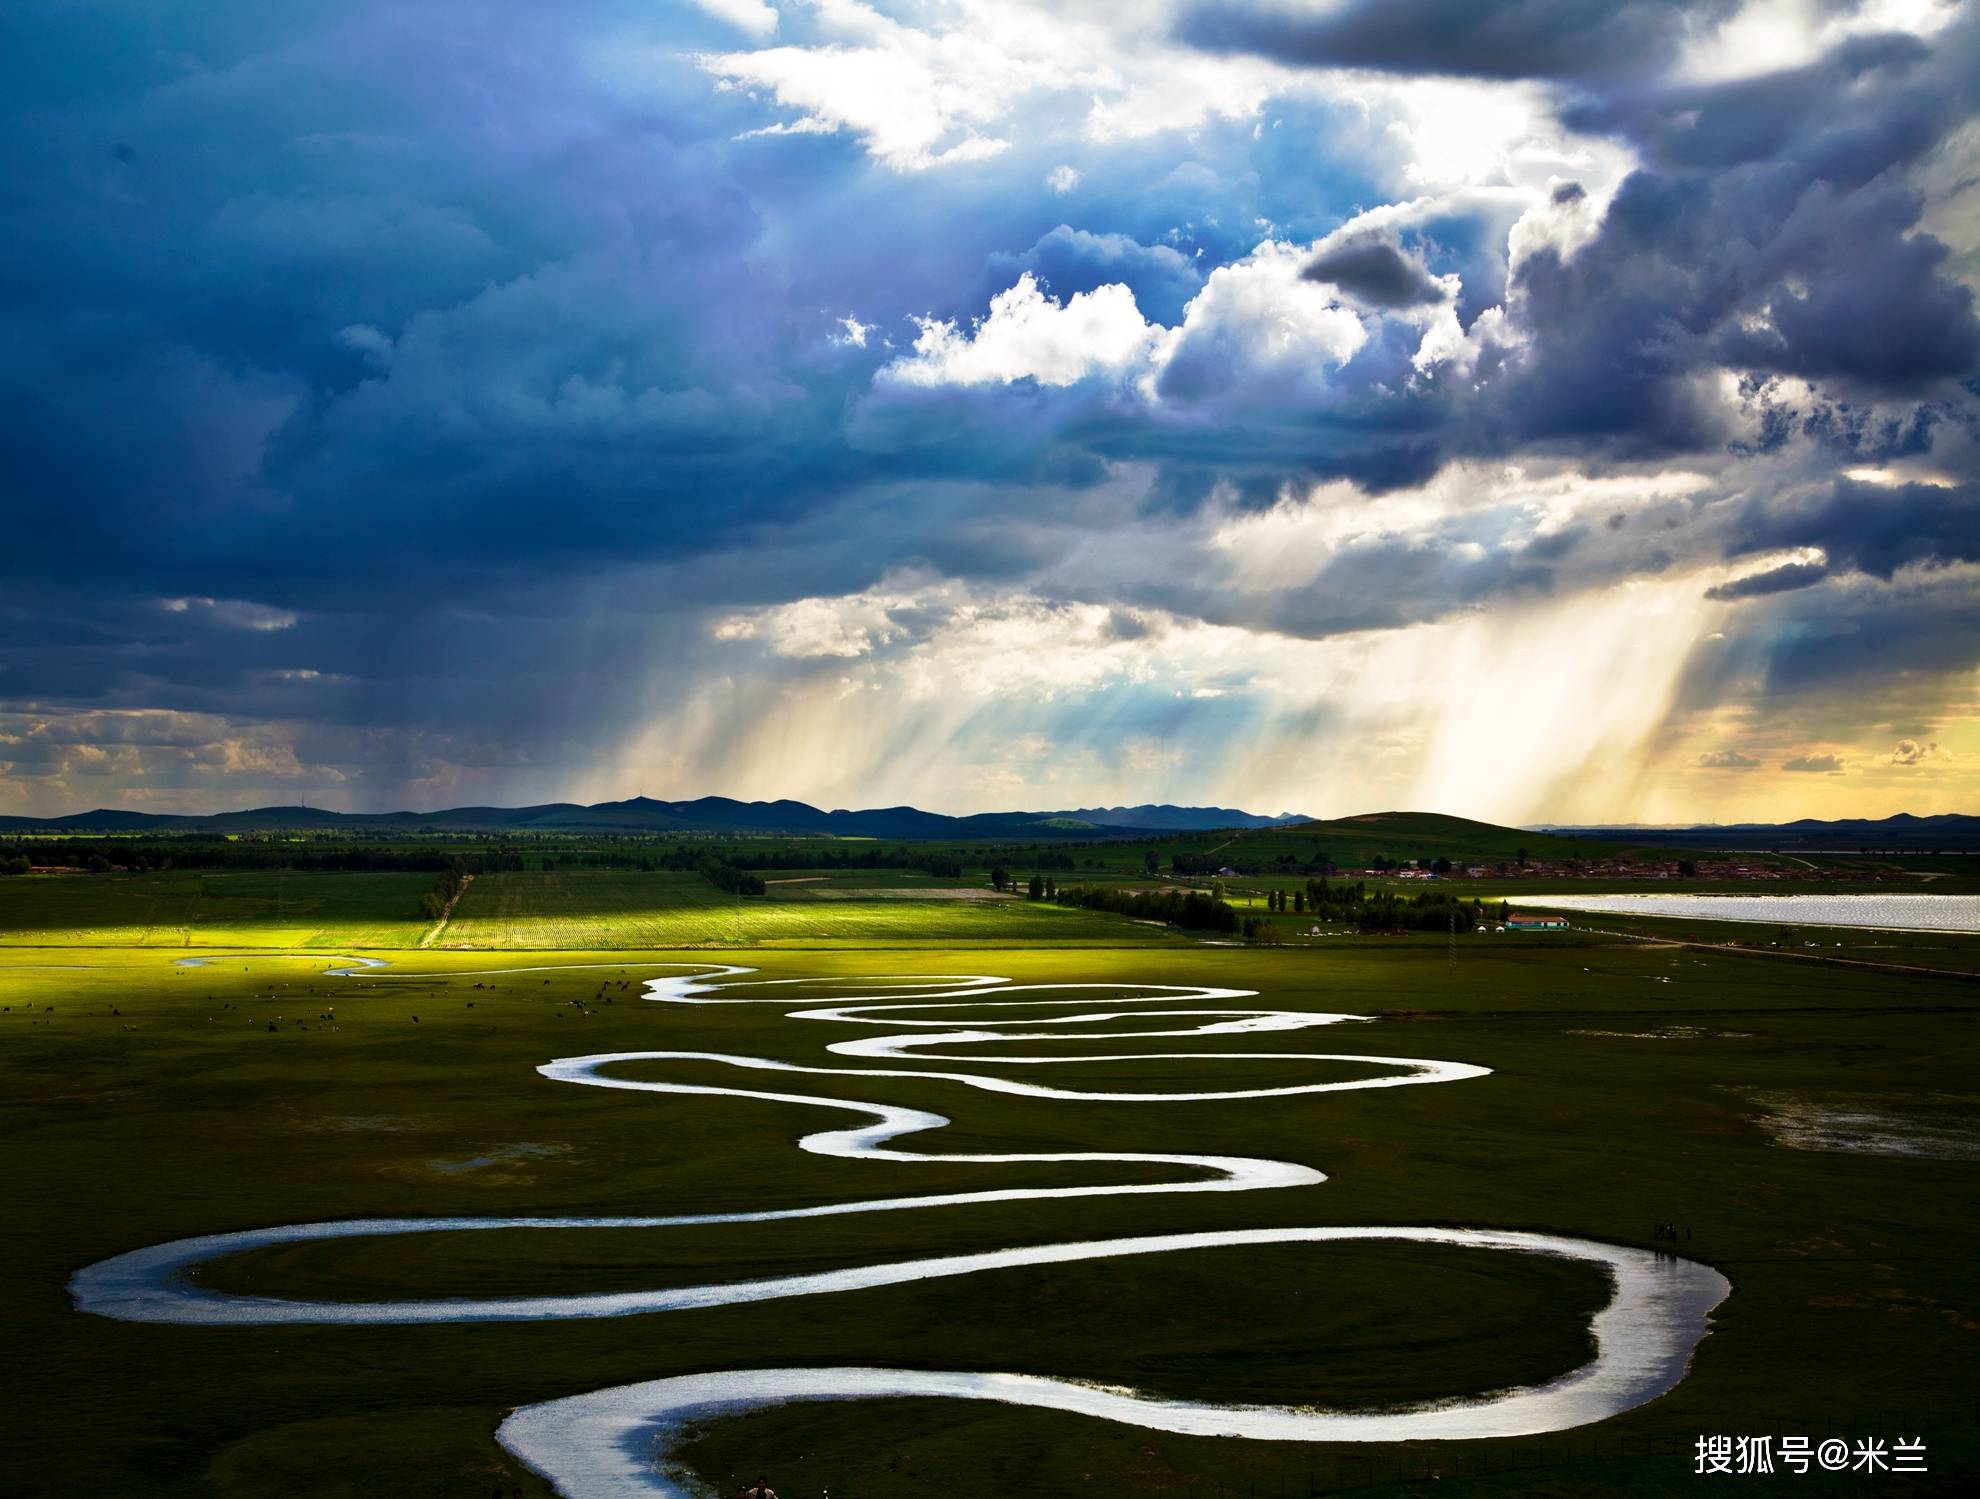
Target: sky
(1556, 410)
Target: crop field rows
(187, 908)
(535, 910)
(608, 910)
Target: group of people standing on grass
(1668, 1231)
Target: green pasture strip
(196, 909)
(609, 909)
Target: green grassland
(584, 908)
(607, 909)
(1352, 842)
(1633, 1082)
(186, 908)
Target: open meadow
(529, 910)
(870, 908)
(1809, 1127)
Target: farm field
(1812, 1126)
(188, 908)
(607, 909)
(530, 910)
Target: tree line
(1368, 910)
(728, 877)
(443, 892)
(1182, 908)
(687, 858)
(100, 855)
(1212, 863)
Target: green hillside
(1352, 842)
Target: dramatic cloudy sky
(1557, 409)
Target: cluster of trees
(688, 858)
(443, 892)
(1184, 908)
(1054, 859)
(1234, 860)
(728, 877)
(15, 864)
(1428, 866)
(1041, 886)
(1385, 910)
(631, 857)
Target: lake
(1901, 913)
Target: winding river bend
(616, 1442)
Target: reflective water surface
(1899, 913)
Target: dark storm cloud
(1871, 528)
(1786, 194)
(321, 332)
(1781, 579)
(1376, 271)
(1517, 39)
(498, 354)
(1770, 229)
(1899, 644)
(1773, 227)
(1859, 652)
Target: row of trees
(1183, 908)
(99, 855)
(443, 892)
(1428, 866)
(1385, 910)
(1237, 863)
(688, 858)
(728, 877)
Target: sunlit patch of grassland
(191, 908)
(609, 909)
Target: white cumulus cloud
(1258, 320)
(1030, 335)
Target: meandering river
(615, 1443)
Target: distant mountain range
(1176, 819)
(1951, 831)
(1396, 833)
(708, 814)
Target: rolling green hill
(1352, 842)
